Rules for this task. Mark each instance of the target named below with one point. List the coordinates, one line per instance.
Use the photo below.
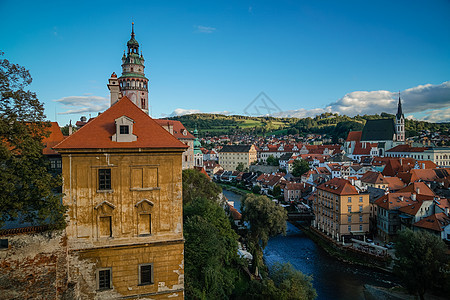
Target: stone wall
(34, 266)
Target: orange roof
(426, 164)
(434, 222)
(179, 131)
(418, 187)
(397, 200)
(338, 186)
(373, 177)
(53, 139)
(394, 183)
(354, 136)
(97, 133)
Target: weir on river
(332, 278)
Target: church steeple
(133, 82)
(399, 108)
(400, 122)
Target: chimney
(413, 197)
(400, 198)
(418, 190)
(446, 211)
(401, 162)
(423, 165)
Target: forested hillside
(335, 125)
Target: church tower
(133, 82)
(400, 122)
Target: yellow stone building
(231, 155)
(123, 188)
(340, 210)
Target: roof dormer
(124, 130)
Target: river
(332, 278)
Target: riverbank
(234, 189)
(343, 254)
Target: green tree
(300, 167)
(276, 191)
(272, 161)
(422, 262)
(197, 185)
(27, 189)
(210, 251)
(240, 167)
(266, 219)
(256, 189)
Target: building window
(3, 243)
(349, 228)
(349, 199)
(349, 219)
(142, 103)
(104, 179)
(360, 199)
(124, 129)
(145, 274)
(104, 279)
(360, 228)
(349, 208)
(360, 208)
(360, 218)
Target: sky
(283, 58)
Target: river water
(332, 278)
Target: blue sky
(309, 57)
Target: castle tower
(400, 122)
(133, 82)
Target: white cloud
(83, 104)
(414, 100)
(205, 29)
(182, 112)
(438, 115)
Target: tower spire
(399, 108)
(132, 30)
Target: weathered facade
(122, 185)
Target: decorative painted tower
(400, 122)
(133, 82)
(198, 154)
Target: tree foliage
(422, 263)
(27, 189)
(272, 161)
(197, 185)
(240, 167)
(284, 283)
(210, 251)
(266, 219)
(300, 167)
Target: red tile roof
(53, 139)
(406, 148)
(373, 178)
(397, 200)
(338, 186)
(434, 222)
(97, 133)
(354, 136)
(418, 187)
(394, 183)
(179, 131)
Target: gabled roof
(394, 183)
(378, 130)
(354, 136)
(418, 187)
(338, 186)
(397, 200)
(373, 178)
(406, 148)
(435, 222)
(53, 139)
(97, 133)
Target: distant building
(231, 155)
(341, 210)
(439, 155)
(133, 82)
(377, 136)
(177, 129)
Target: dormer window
(124, 130)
